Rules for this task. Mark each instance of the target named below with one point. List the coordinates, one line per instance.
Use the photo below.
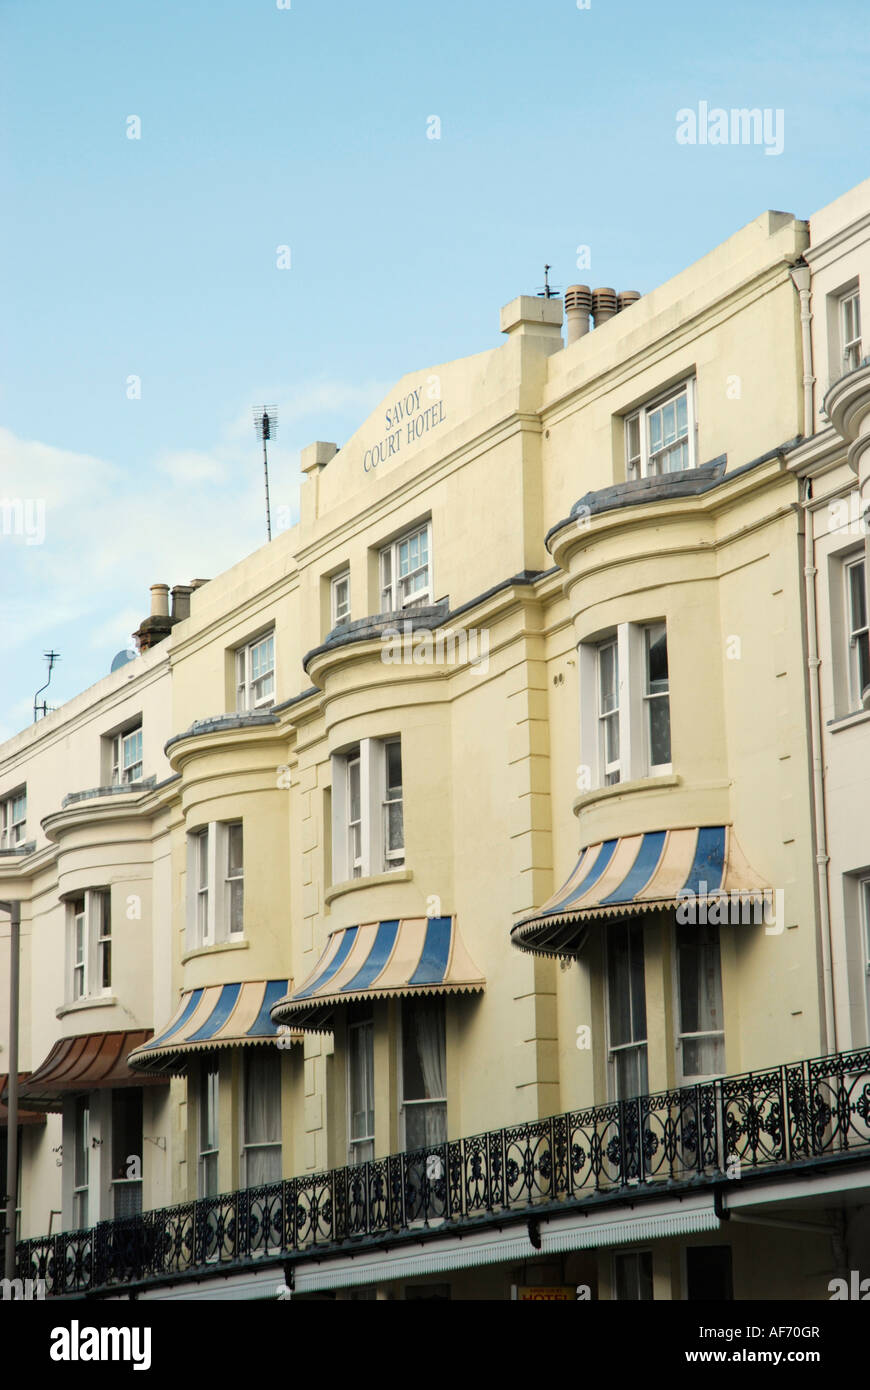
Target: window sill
(96, 1001)
(213, 949)
(640, 784)
(373, 881)
(846, 721)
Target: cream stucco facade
(391, 733)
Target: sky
(155, 158)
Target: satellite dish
(128, 654)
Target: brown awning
(25, 1117)
(86, 1063)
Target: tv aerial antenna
(42, 708)
(266, 427)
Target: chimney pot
(626, 298)
(603, 305)
(578, 302)
(160, 600)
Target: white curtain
(431, 1049)
(262, 1118)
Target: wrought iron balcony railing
(788, 1115)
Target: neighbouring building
(500, 866)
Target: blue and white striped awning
(638, 873)
(234, 1015)
(376, 960)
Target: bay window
(423, 1073)
(625, 704)
(857, 631)
(626, 1010)
(89, 944)
(368, 835)
(701, 1037)
(216, 884)
(208, 1130)
(261, 1138)
(361, 1091)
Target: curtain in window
(426, 1124)
(262, 1119)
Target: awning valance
(86, 1063)
(25, 1117)
(414, 955)
(233, 1015)
(639, 873)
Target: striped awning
(235, 1015)
(89, 1062)
(639, 873)
(377, 960)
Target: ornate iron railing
(790, 1114)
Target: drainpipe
(800, 277)
(821, 848)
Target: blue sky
(307, 127)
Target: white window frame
(127, 758)
(209, 1109)
(13, 818)
(247, 698)
(87, 944)
(611, 768)
(632, 707)
(250, 1146)
(79, 951)
(362, 1148)
(103, 933)
(232, 878)
(649, 696)
(81, 1189)
(394, 595)
(641, 461)
(340, 606)
(209, 916)
(436, 1000)
(681, 1036)
(360, 849)
(855, 633)
(849, 326)
(635, 1045)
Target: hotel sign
(406, 421)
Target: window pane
(208, 1111)
(263, 1097)
(655, 431)
(126, 1129)
(608, 677)
(703, 1056)
(395, 826)
(234, 848)
(656, 659)
(361, 1079)
(425, 1125)
(423, 1050)
(354, 789)
(202, 858)
(626, 984)
(857, 597)
(700, 978)
(394, 768)
(634, 1279)
(659, 731)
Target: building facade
(484, 842)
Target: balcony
(787, 1120)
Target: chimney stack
(578, 302)
(181, 602)
(160, 623)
